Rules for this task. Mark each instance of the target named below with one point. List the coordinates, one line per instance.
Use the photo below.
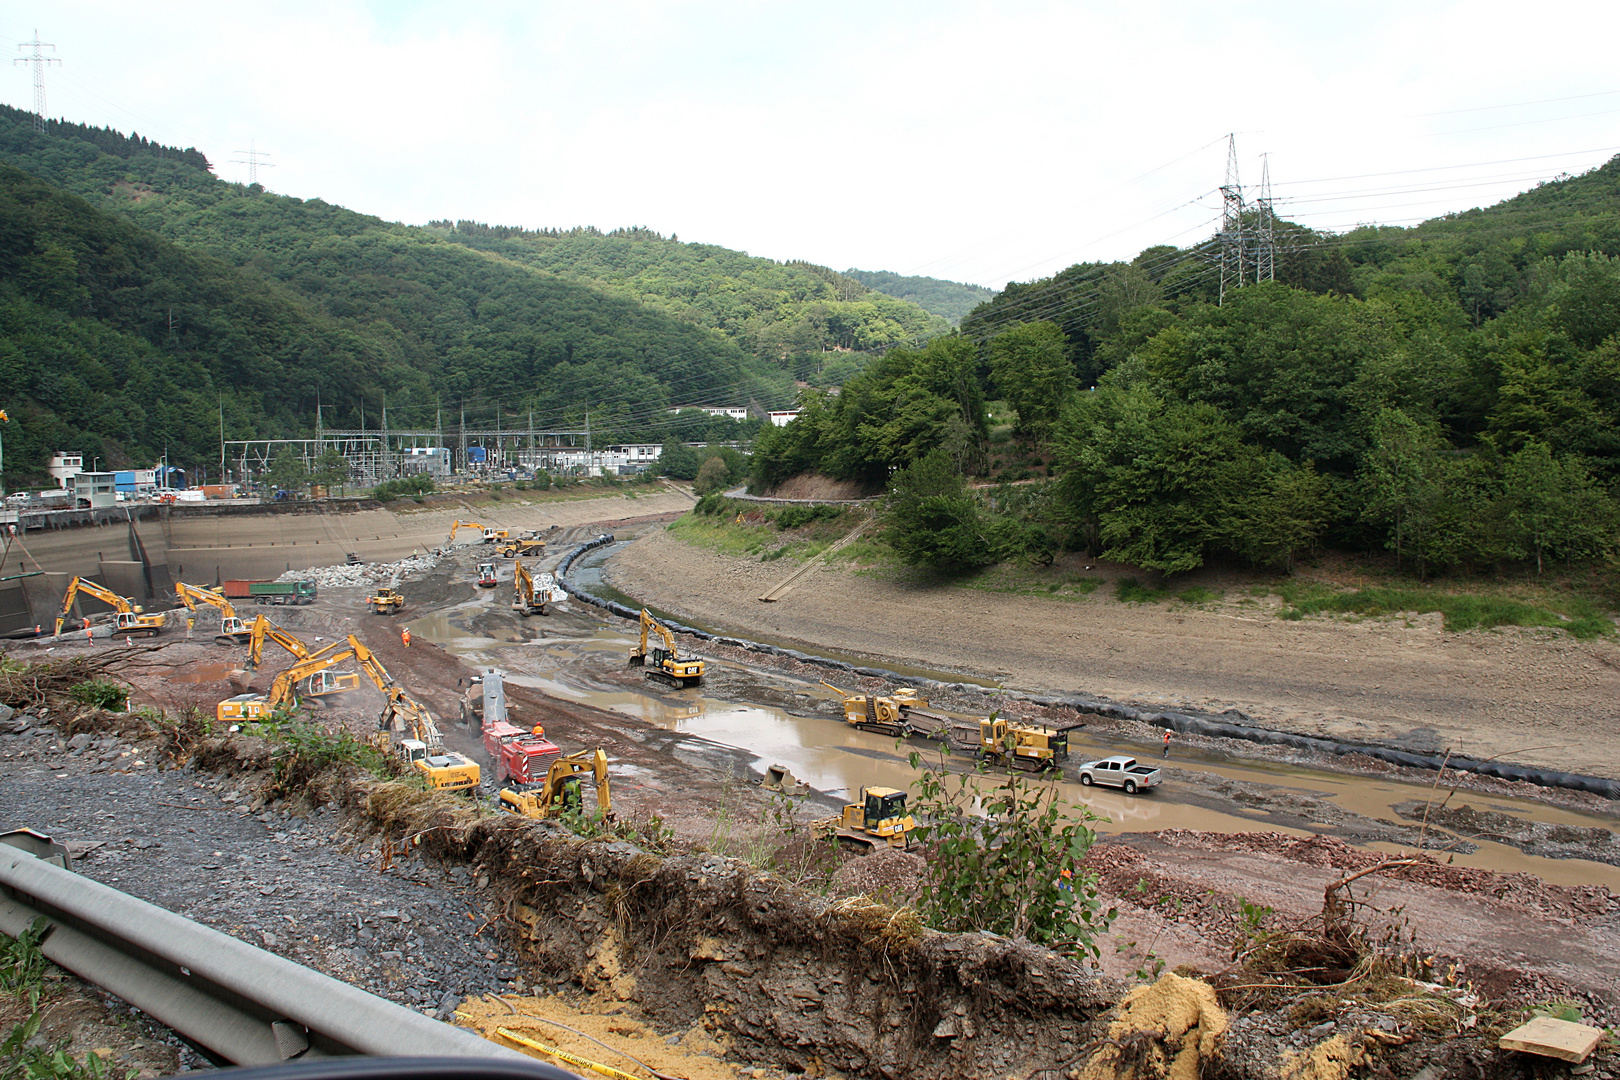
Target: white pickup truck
(1121, 772)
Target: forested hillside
(150, 290)
(950, 299)
(819, 325)
(1450, 392)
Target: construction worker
(1166, 742)
(405, 636)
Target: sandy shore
(1534, 697)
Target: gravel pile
(346, 576)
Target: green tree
(1553, 507)
(711, 477)
(1031, 369)
(286, 471)
(931, 521)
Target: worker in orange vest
(405, 636)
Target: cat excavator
(560, 790)
(531, 593)
(666, 663)
(321, 684)
(232, 630)
(128, 619)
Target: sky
(981, 142)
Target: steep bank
(1536, 697)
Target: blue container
(477, 454)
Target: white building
(64, 466)
(576, 460)
(433, 460)
(783, 417)
(715, 410)
(95, 489)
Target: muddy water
(571, 655)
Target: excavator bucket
(779, 778)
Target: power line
(255, 158)
(40, 61)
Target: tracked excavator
(319, 685)
(532, 592)
(283, 688)
(664, 664)
(487, 535)
(232, 630)
(422, 747)
(128, 619)
(561, 789)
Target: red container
(237, 589)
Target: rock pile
(347, 576)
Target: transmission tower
(253, 160)
(1231, 235)
(39, 60)
(1265, 251)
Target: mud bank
(1537, 698)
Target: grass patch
(1461, 611)
(1130, 591)
(1197, 595)
(723, 535)
(1031, 581)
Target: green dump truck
(271, 592)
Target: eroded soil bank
(1536, 697)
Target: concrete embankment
(141, 551)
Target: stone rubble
(345, 576)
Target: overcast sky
(983, 142)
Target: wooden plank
(1553, 1038)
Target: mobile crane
(560, 791)
(321, 684)
(531, 593)
(128, 618)
(232, 630)
(667, 665)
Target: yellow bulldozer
(387, 600)
(664, 664)
(561, 789)
(880, 817)
(1030, 747)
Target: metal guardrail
(241, 1003)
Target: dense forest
(140, 296)
(819, 325)
(950, 299)
(1450, 392)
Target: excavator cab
(880, 817)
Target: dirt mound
(1169, 1029)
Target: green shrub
(102, 693)
(389, 490)
(1130, 591)
(1197, 594)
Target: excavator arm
(122, 604)
(281, 688)
(457, 526)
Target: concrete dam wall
(141, 551)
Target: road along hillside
(1535, 697)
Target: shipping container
(219, 491)
(236, 589)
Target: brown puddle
(582, 663)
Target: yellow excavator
(666, 664)
(248, 707)
(530, 595)
(489, 535)
(232, 630)
(560, 791)
(321, 684)
(127, 618)
(423, 747)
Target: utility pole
(1231, 234)
(254, 159)
(587, 442)
(463, 430)
(1265, 262)
(385, 473)
(39, 60)
(223, 474)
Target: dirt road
(1535, 697)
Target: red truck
(521, 757)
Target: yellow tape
(563, 1055)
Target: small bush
(389, 490)
(1197, 594)
(102, 693)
